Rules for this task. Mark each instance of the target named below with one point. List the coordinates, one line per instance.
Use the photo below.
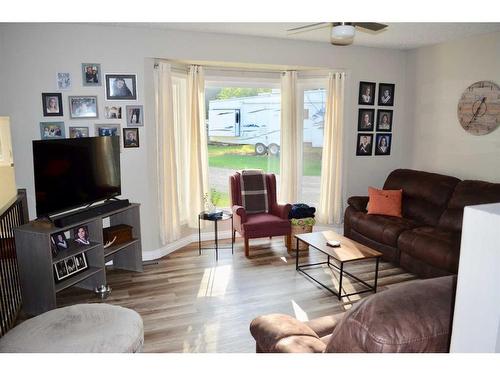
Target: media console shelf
(34, 255)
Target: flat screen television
(70, 173)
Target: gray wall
(31, 54)
(438, 75)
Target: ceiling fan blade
(370, 25)
(312, 26)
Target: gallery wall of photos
(114, 112)
(375, 121)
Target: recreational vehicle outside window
(243, 126)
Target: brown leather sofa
(414, 316)
(426, 240)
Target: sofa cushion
(412, 317)
(467, 193)
(425, 195)
(380, 228)
(384, 202)
(264, 221)
(434, 246)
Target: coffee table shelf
(349, 251)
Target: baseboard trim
(209, 236)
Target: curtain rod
(216, 68)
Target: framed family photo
(91, 74)
(52, 104)
(63, 81)
(121, 87)
(52, 130)
(384, 120)
(365, 119)
(386, 94)
(83, 106)
(135, 115)
(113, 112)
(78, 131)
(131, 137)
(107, 130)
(364, 145)
(383, 144)
(366, 93)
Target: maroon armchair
(273, 223)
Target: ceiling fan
(342, 33)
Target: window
(313, 96)
(243, 131)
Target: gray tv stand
(34, 256)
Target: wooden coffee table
(349, 251)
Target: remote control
(333, 243)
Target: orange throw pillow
(385, 202)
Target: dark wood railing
(11, 216)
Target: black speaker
(89, 213)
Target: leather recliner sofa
(426, 240)
(413, 317)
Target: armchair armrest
(359, 203)
(240, 211)
(278, 333)
(281, 210)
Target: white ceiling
(397, 35)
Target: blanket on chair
(254, 191)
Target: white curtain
(330, 198)
(197, 143)
(170, 226)
(290, 147)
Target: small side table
(205, 216)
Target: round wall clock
(479, 108)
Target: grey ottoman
(85, 328)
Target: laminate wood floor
(191, 303)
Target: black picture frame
(362, 125)
(378, 140)
(367, 149)
(60, 240)
(81, 235)
(382, 100)
(128, 140)
(384, 126)
(49, 110)
(115, 91)
(362, 97)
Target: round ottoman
(85, 328)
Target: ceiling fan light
(343, 34)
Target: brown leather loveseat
(426, 240)
(413, 317)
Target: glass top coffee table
(349, 251)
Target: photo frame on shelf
(386, 94)
(383, 143)
(81, 235)
(364, 144)
(60, 240)
(70, 266)
(366, 119)
(384, 120)
(52, 104)
(121, 86)
(366, 93)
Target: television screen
(73, 172)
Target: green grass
(239, 157)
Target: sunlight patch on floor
(215, 281)
(300, 314)
(284, 259)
